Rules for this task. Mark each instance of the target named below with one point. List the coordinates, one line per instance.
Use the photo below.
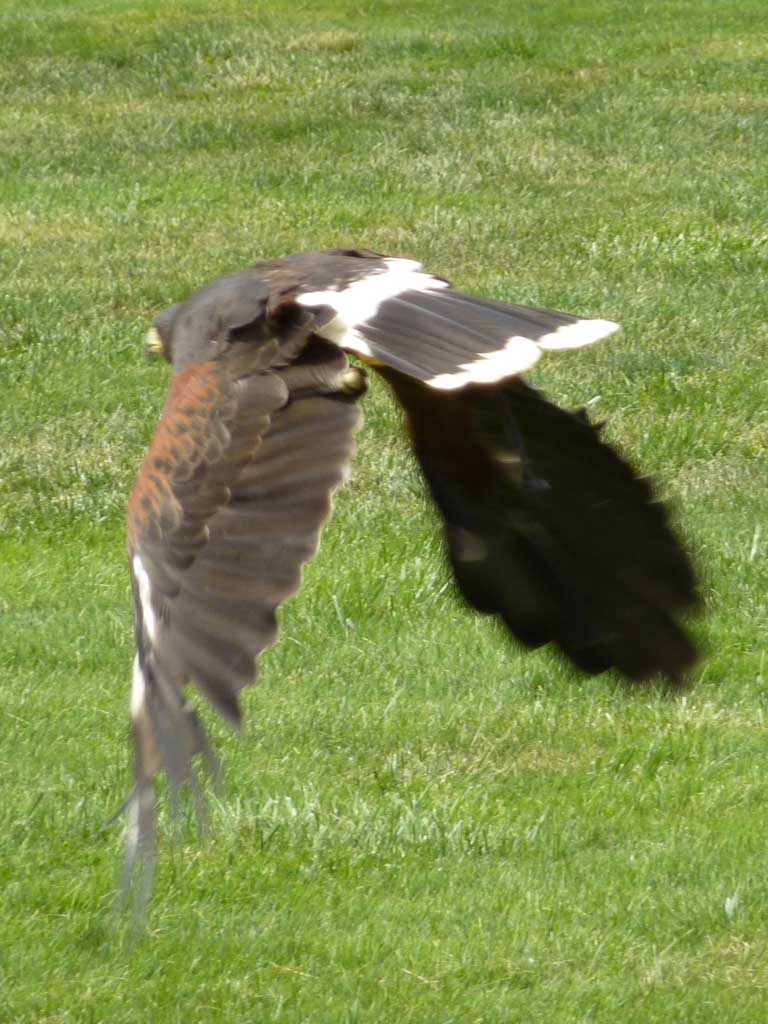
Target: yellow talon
(354, 381)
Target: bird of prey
(546, 525)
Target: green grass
(421, 823)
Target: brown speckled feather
(193, 433)
(227, 507)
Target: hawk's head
(234, 308)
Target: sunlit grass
(421, 823)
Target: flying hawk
(546, 526)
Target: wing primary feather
(226, 510)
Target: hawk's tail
(391, 312)
(167, 736)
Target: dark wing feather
(261, 537)
(226, 509)
(548, 527)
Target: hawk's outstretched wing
(226, 509)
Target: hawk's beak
(153, 345)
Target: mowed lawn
(421, 823)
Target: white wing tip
(519, 354)
(583, 332)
